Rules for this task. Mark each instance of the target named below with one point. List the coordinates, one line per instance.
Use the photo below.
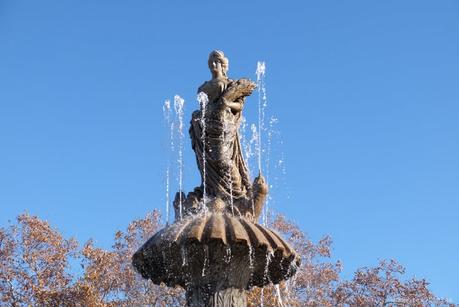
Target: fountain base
(216, 257)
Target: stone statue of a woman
(214, 132)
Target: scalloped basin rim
(229, 230)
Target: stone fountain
(215, 249)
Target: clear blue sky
(366, 93)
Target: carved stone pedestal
(203, 297)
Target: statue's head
(218, 63)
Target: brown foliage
(317, 282)
(34, 263)
(35, 271)
(34, 268)
(383, 286)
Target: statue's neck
(218, 76)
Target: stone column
(205, 296)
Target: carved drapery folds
(214, 131)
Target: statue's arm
(234, 95)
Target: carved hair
(219, 56)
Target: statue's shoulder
(213, 88)
(203, 87)
(210, 86)
(196, 115)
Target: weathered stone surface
(230, 297)
(214, 248)
(214, 133)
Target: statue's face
(216, 67)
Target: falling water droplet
(228, 254)
(266, 277)
(203, 101)
(169, 126)
(262, 103)
(183, 253)
(262, 297)
(278, 294)
(206, 260)
(251, 258)
(178, 107)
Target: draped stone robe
(216, 142)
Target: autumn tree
(110, 277)
(316, 279)
(383, 285)
(34, 263)
(318, 283)
(35, 270)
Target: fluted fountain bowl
(216, 248)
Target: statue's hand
(239, 89)
(235, 106)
